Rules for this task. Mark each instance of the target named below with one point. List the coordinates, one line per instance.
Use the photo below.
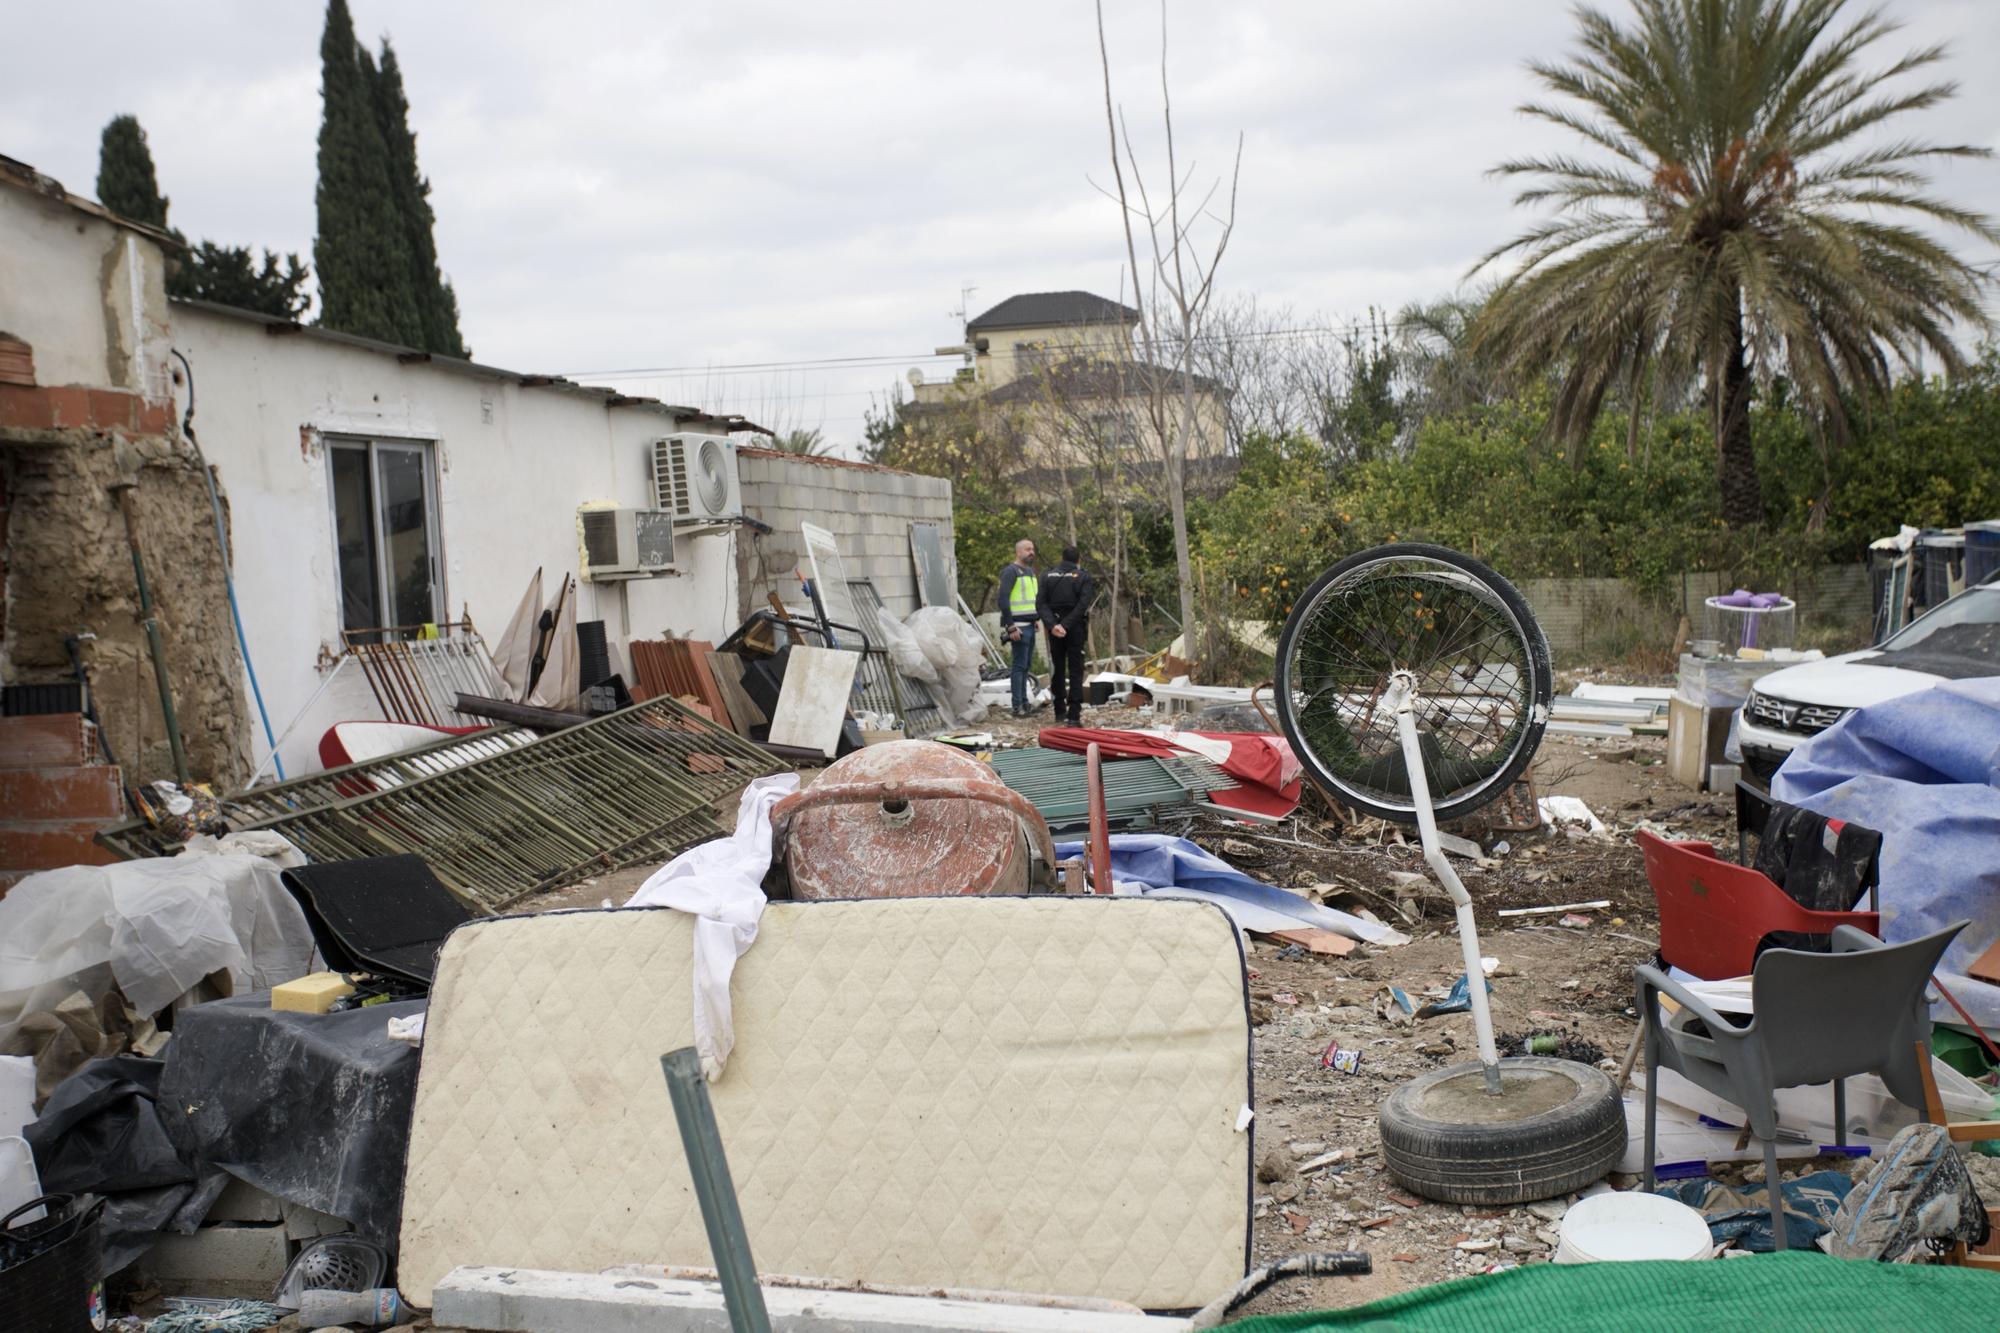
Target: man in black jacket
(1066, 594)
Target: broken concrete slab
(527, 1300)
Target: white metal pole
(1404, 697)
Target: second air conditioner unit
(626, 543)
(694, 479)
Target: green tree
(125, 181)
(362, 251)
(231, 275)
(1749, 210)
(437, 304)
(806, 442)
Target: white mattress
(1026, 1094)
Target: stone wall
(69, 569)
(868, 509)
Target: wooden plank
(727, 671)
(1986, 967)
(1314, 940)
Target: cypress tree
(437, 305)
(125, 181)
(361, 252)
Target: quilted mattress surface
(1025, 1094)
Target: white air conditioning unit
(694, 479)
(626, 543)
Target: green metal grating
(257, 806)
(634, 785)
(1136, 791)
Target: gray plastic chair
(1817, 1017)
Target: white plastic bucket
(1628, 1225)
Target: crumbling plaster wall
(88, 297)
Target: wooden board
(727, 669)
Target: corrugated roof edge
(456, 365)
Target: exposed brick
(69, 406)
(155, 418)
(30, 845)
(17, 361)
(89, 792)
(46, 740)
(25, 409)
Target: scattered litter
(189, 1316)
(1558, 811)
(1575, 921)
(1457, 1000)
(1323, 1161)
(408, 1030)
(1562, 1045)
(1340, 1059)
(1594, 906)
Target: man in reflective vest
(1019, 593)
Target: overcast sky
(624, 185)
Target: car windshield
(1975, 607)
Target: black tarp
(101, 1133)
(313, 1108)
(382, 914)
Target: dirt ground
(1575, 979)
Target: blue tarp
(1178, 868)
(1924, 770)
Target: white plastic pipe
(1403, 695)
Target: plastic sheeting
(153, 928)
(1925, 771)
(954, 651)
(1176, 868)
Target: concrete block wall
(1585, 617)
(867, 508)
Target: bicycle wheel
(1465, 634)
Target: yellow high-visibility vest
(1021, 598)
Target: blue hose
(228, 576)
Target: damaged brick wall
(69, 567)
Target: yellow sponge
(312, 994)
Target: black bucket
(49, 1269)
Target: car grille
(1800, 719)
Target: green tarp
(1765, 1293)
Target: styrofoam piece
(528, 1300)
(1633, 1225)
(19, 1181)
(1623, 694)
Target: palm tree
(1750, 213)
(806, 442)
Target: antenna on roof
(964, 310)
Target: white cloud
(622, 184)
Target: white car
(1952, 641)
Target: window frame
(372, 446)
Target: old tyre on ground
(1556, 1127)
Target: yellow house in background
(1059, 373)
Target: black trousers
(1066, 672)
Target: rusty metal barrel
(911, 819)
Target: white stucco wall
(86, 293)
(513, 464)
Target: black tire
(1514, 1161)
(1540, 687)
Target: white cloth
(722, 883)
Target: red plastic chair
(1714, 912)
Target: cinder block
(303, 1223)
(223, 1260)
(241, 1201)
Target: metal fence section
(257, 806)
(417, 676)
(1136, 791)
(630, 786)
(879, 684)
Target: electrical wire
(228, 574)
